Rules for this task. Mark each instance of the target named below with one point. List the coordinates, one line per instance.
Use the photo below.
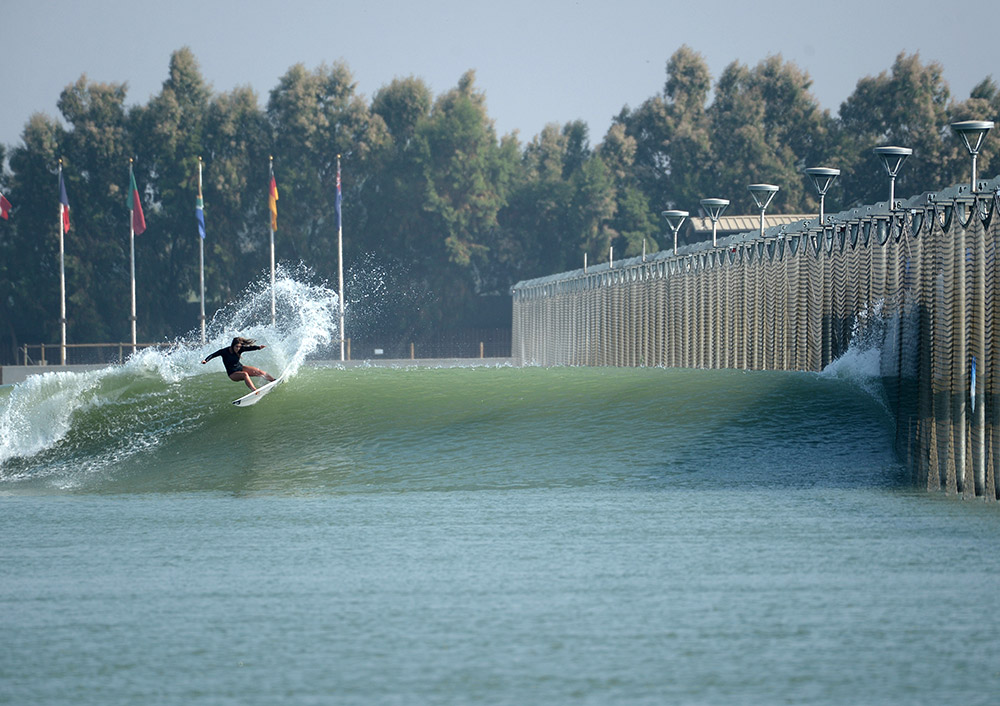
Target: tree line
(450, 213)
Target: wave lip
(98, 417)
(38, 412)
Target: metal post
(340, 261)
(201, 260)
(273, 208)
(62, 267)
(131, 242)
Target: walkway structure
(919, 276)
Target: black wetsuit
(232, 360)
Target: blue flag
(199, 213)
(339, 197)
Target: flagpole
(131, 242)
(201, 255)
(270, 171)
(62, 273)
(340, 260)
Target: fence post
(411, 351)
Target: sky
(537, 61)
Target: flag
(272, 203)
(4, 208)
(63, 203)
(199, 213)
(339, 197)
(138, 220)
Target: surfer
(234, 368)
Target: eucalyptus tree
(906, 106)
(392, 203)
(169, 131)
(29, 239)
(983, 104)
(316, 116)
(94, 148)
(560, 205)
(634, 226)
(236, 144)
(671, 135)
(465, 181)
(766, 127)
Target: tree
(168, 145)
(236, 141)
(316, 116)
(671, 135)
(95, 149)
(465, 186)
(906, 107)
(766, 127)
(634, 222)
(29, 275)
(560, 204)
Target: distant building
(701, 226)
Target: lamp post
(822, 179)
(714, 208)
(973, 132)
(892, 159)
(762, 195)
(675, 219)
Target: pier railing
(920, 275)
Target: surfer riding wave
(234, 368)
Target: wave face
(71, 430)
(164, 423)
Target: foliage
(431, 194)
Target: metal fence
(463, 343)
(82, 353)
(922, 273)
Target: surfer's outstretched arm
(217, 353)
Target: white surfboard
(255, 397)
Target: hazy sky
(538, 61)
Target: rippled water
(479, 535)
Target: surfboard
(255, 397)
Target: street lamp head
(973, 132)
(822, 178)
(674, 218)
(714, 207)
(893, 158)
(762, 194)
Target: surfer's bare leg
(244, 376)
(258, 373)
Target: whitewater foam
(861, 364)
(39, 414)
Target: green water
(481, 535)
